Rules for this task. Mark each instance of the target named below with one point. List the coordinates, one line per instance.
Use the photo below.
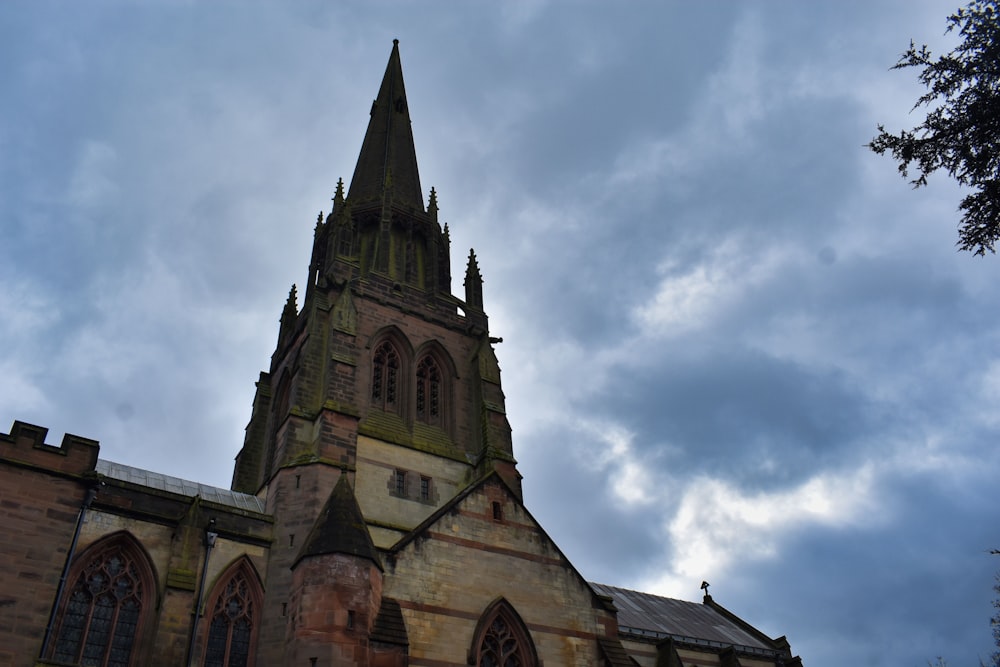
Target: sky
(738, 347)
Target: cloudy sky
(737, 346)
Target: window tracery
(103, 610)
(502, 640)
(500, 646)
(385, 377)
(232, 624)
(428, 391)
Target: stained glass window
(102, 612)
(231, 625)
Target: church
(375, 516)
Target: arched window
(502, 640)
(429, 391)
(111, 588)
(385, 377)
(233, 620)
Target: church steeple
(387, 166)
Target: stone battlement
(25, 445)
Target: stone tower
(383, 377)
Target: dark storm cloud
(620, 536)
(738, 413)
(873, 584)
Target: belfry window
(103, 610)
(385, 377)
(428, 391)
(232, 624)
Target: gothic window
(104, 608)
(502, 640)
(500, 647)
(429, 391)
(385, 377)
(233, 619)
(399, 479)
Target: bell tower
(382, 376)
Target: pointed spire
(387, 165)
(473, 282)
(340, 528)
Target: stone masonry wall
(41, 490)
(445, 578)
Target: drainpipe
(87, 500)
(210, 537)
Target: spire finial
(432, 204)
(338, 197)
(473, 282)
(288, 315)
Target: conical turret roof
(340, 528)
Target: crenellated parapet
(25, 445)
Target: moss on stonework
(181, 578)
(342, 408)
(385, 426)
(434, 440)
(391, 428)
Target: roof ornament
(338, 197)
(432, 205)
(704, 587)
(291, 305)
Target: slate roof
(182, 487)
(615, 653)
(340, 528)
(389, 626)
(656, 617)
